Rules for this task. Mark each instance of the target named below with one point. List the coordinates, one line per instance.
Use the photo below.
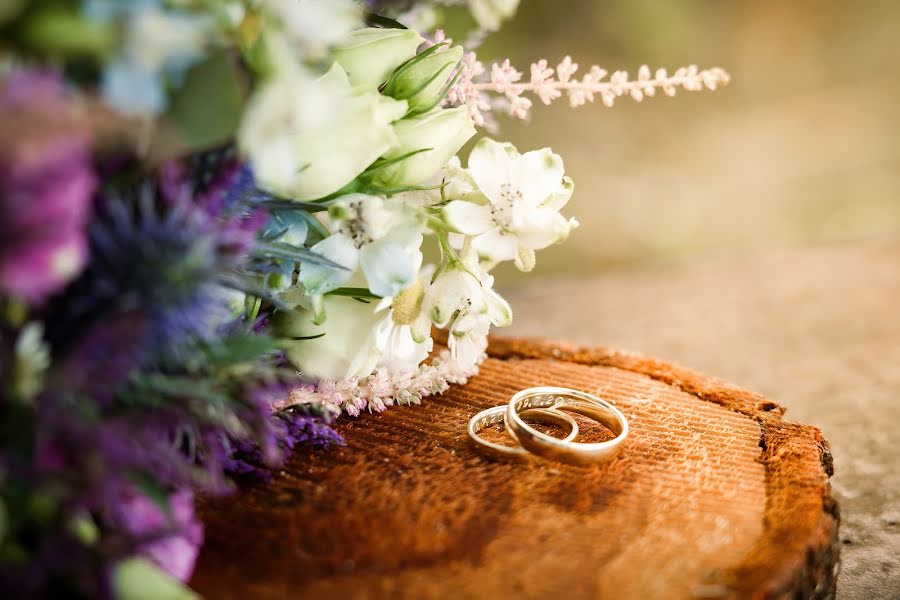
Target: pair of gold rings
(550, 405)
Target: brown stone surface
(715, 496)
(816, 330)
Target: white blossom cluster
(367, 155)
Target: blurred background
(801, 149)
(752, 233)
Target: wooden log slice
(714, 496)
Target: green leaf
(278, 250)
(358, 293)
(57, 30)
(140, 579)
(207, 107)
(238, 349)
(161, 388)
(281, 205)
(10, 9)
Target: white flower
(464, 288)
(451, 183)
(435, 137)
(370, 55)
(403, 337)
(490, 13)
(307, 138)
(315, 24)
(380, 236)
(468, 340)
(524, 194)
(347, 344)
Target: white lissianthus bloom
(359, 337)
(370, 55)
(380, 236)
(517, 210)
(307, 138)
(428, 141)
(346, 346)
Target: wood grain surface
(715, 496)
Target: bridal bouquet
(213, 227)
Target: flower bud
(423, 81)
(437, 136)
(369, 56)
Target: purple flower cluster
(171, 539)
(291, 429)
(47, 184)
(150, 381)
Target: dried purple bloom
(292, 429)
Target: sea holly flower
(524, 194)
(308, 138)
(370, 55)
(428, 142)
(380, 236)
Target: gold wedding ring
(556, 399)
(497, 414)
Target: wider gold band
(558, 398)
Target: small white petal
(421, 328)
(561, 197)
(495, 246)
(318, 279)
(543, 228)
(538, 175)
(489, 165)
(388, 267)
(465, 217)
(499, 310)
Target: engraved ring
(546, 446)
(497, 414)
